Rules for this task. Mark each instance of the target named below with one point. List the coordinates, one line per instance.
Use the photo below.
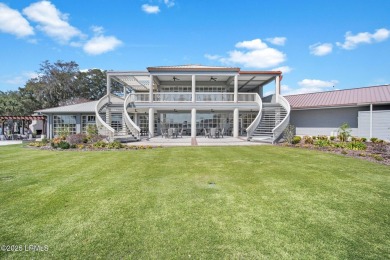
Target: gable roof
(87, 107)
(339, 98)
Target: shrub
(114, 145)
(332, 138)
(64, 132)
(288, 133)
(344, 132)
(100, 144)
(377, 157)
(356, 145)
(314, 137)
(364, 139)
(92, 130)
(373, 139)
(322, 143)
(344, 152)
(77, 139)
(64, 145)
(307, 139)
(322, 137)
(96, 138)
(296, 139)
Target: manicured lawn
(267, 202)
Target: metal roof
(88, 107)
(192, 67)
(337, 98)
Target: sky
(318, 45)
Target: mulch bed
(378, 153)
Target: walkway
(200, 141)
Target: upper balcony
(185, 99)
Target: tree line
(57, 84)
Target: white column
(193, 122)
(151, 122)
(151, 89)
(277, 87)
(124, 127)
(235, 122)
(108, 87)
(370, 121)
(236, 89)
(193, 88)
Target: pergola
(23, 119)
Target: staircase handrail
(252, 127)
(278, 130)
(135, 130)
(103, 127)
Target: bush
(322, 143)
(64, 145)
(307, 139)
(100, 144)
(115, 145)
(344, 152)
(314, 137)
(356, 145)
(344, 132)
(377, 157)
(374, 139)
(364, 139)
(92, 130)
(77, 139)
(332, 138)
(96, 138)
(296, 139)
(322, 137)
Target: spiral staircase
(123, 129)
(273, 118)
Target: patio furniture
(181, 133)
(213, 132)
(222, 132)
(164, 133)
(175, 132)
(206, 133)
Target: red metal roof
(347, 97)
(22, 117)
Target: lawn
(193, 202)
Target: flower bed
(376, 150)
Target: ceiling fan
(213, 79)
(174, 78)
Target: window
(87, 120)
(63, 123)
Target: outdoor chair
(170, 132)
(213, 132)
(206, 133)
(181, 133)
(164, 133)
(222, 132)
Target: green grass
(267, 202)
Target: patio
(199, 141)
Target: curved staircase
(274, 118)
(123, 129)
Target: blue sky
(319, 45)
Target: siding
(380, 124)
(325, 121)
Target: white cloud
(352, 41)
(256, 55)
(11, 21)
(51, 21)
(321, 49)
(277, 40)
(169, 3)
(150, 9)
(283, 69)
(316, 83)
(100, 44)
(21, 79)
(212, 57)
(97, 29)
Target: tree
(91, 84)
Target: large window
(64, 123)
(87, 120)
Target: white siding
(380, 124)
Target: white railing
(252, 127)
(134, 129)
(278, 130)
(139, 97)
(214, 97)
(103, 127)
(247, 97)
(172, 97)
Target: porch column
(108, 87)
(193, 88)
(236, 89)
(235, 122)
(151, 122)
(124, 127)
(193, 122)
(151, 89)
(277, 88)
(370, 121)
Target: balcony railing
(187, 97)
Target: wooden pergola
(23, 119)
